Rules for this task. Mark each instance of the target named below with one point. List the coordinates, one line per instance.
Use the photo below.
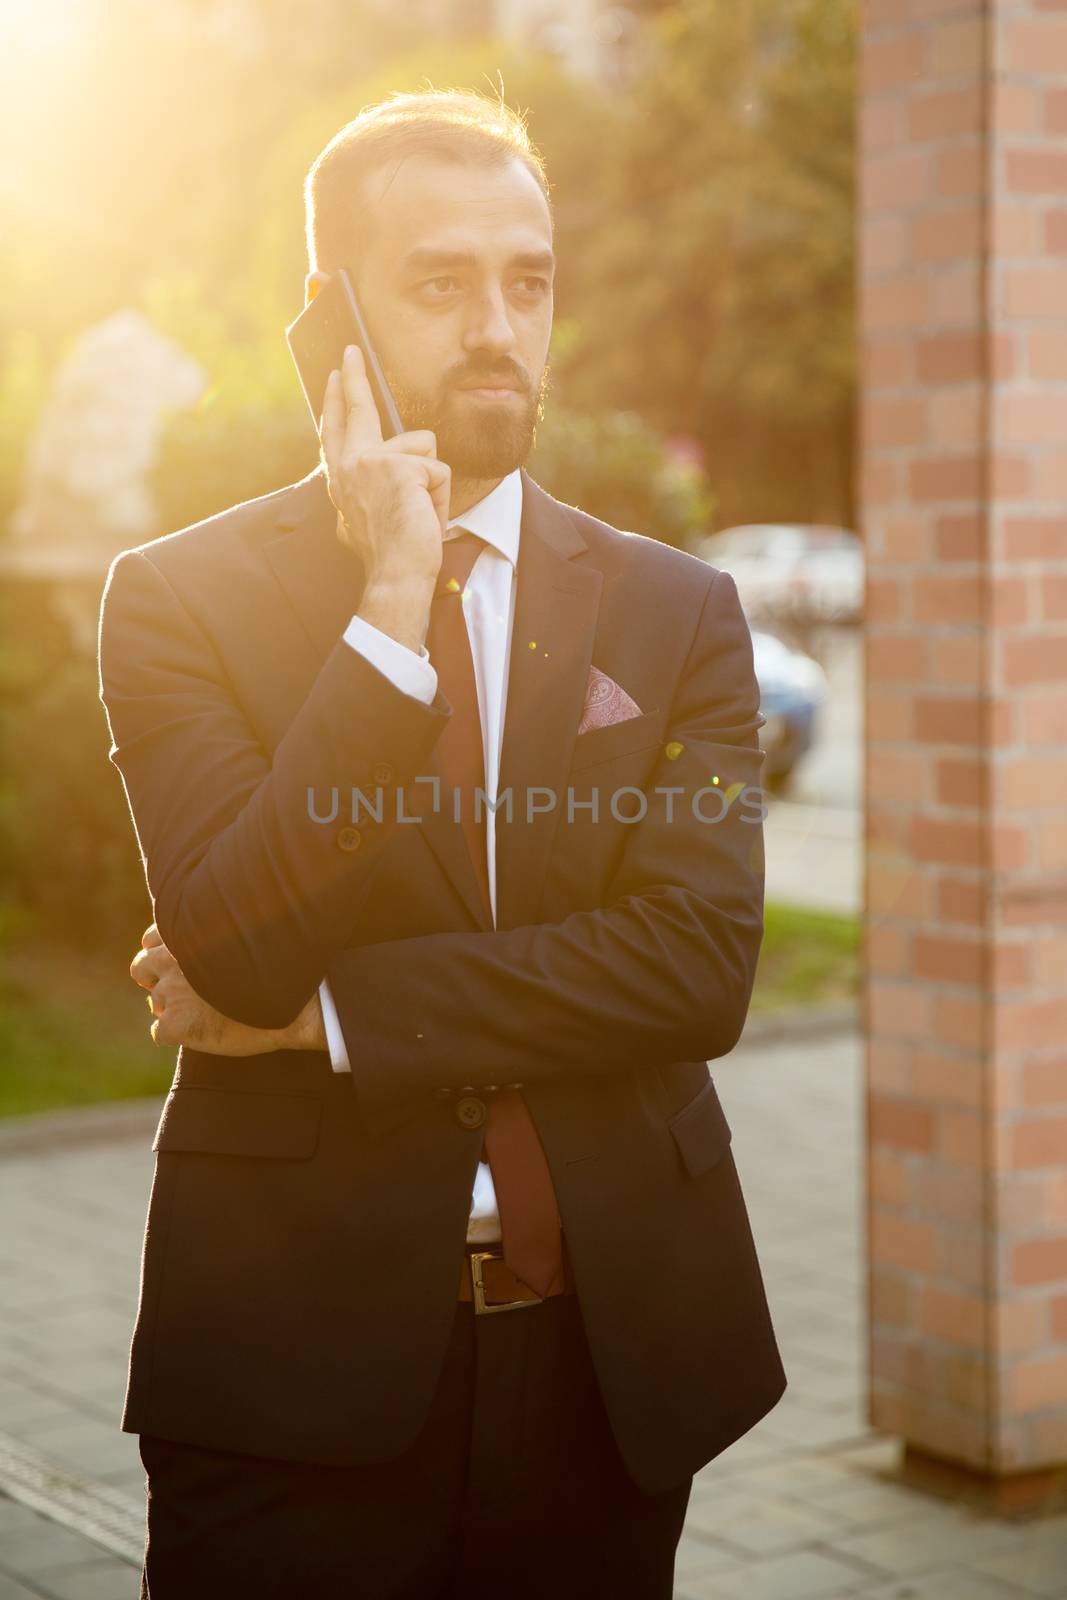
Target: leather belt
(485, 1278)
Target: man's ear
(313, 283)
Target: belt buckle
(481, 1306)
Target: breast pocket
(617, 739)
(239, 1123)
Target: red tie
(529, 1216)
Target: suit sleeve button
(382, 772)
(470, 1111)
(349, 839)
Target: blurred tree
(69, 863)
(716, 262)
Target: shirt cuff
(412, 674)
(335, 1039)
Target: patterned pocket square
(605, 702)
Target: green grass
(807, 958)
(74, 1031)
(74, 1028)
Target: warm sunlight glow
(39, 28)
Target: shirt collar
(496, 517)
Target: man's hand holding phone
(392, 496)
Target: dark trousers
(514, 1487)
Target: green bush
(615, 467)
(68, 855)
(227, 452)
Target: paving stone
(130, 1479)
(805, 1575)
(805, 1477)
(22, 1406)
(946, 1584)
(11, 1589)
(105, 1579)
(933, 1539)
(1038, 1564)
(877, 1454)
(808, 1431)
(86, 1445)
(759, 1525)
(93, 1386)
(24, 1290)
(755, 1446)
(699, 1557)
(86, 1333)
(41, 1544)
(866, 1503)
(15, 1518)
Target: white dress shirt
(489, 609)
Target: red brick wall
(963, 309)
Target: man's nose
(489, 326)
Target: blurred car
(792, 693)
(802, 573)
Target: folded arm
(663, 972)
(250, 894)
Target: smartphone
(317, 341)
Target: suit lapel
(551, 652)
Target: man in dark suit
(447, 799)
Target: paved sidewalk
(814, 856)
(805, 1507)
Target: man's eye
(431, 281)
(540, 285)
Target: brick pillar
(963, 312)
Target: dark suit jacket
(306, 1229)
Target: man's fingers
(438, 475)
(332, 426)
(148, 966)
(363, 425)
(439, 484)
(142, 970)
(419, 442)
(157, 996)
(151, 936)
(162, 1033)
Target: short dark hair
(450, 124)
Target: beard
(476, 438)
